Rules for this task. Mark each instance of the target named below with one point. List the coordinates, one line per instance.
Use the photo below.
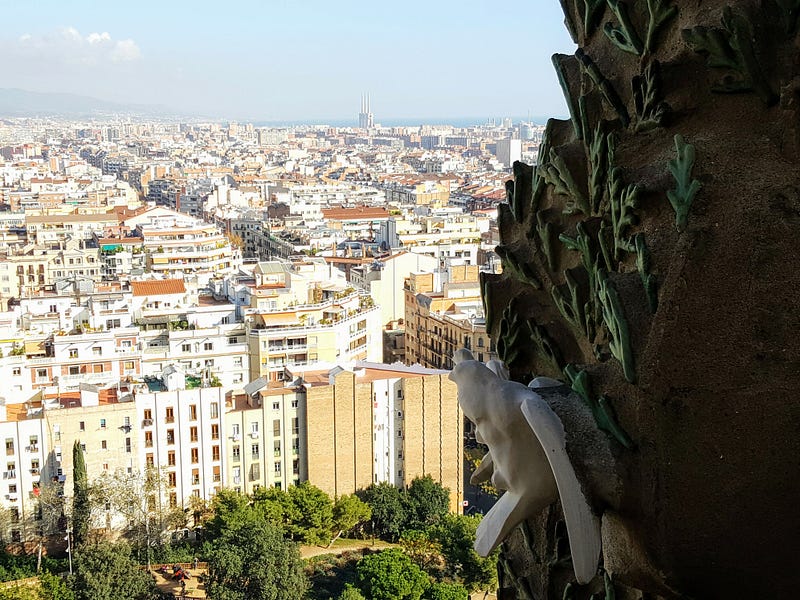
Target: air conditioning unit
(254, 435)
(147, 422)
(235, 437)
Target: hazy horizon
(282, 61)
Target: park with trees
(379, 543)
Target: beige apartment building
(383, 423)
(444, 313)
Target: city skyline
(286, 62)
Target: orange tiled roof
(363, 212)
(155, 287)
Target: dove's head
(473, 379)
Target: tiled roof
(360, 212)
(155, 287)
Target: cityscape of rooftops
(239, 250)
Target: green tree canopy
(314, 513)
(390, 575)
(424, 551)
(351, 593)
(428, 502)
(230, 508)
(447, 591)
(277, 507)
(388, 509)
(252, 561)
(455, 534)
(106, 571)
(54, 588)
(348, 512)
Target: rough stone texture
(709, 498)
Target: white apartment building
(181, 432)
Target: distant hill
(22, 103)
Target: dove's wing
(484, 471)
(583, 526)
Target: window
(276, 427)
(149, 460)
(128, 445)
(295, 426)
(208, 346)
(102, 423)
(129, 365)
(296, 466)
(195, 476)
(14, 514)
(73, 353)
(233, 340)
(112, 323)
(148, 439)
(276, 406)
(171, 458)
(35, 466)
(277, 469)
(97, 351)
(41, 374)
(103, 445)
(172, 479)
(235, 430)
(237, 361)
(295, 402)
(215, 432)
(235, 452)
(277, 447)
(214, 410)
(186, 347)
(82, 426)
(170, 414)
(195, 456)
(74, 370)
(214, 452)
(193, 412)
(18, 371)
(126, 422)
(255, 451)
(148, 414)
(193, 434)
(295, 445)
(254, 428)
(170, 436)
(12, 489)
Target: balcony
(147, 422)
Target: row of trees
(251, 542)
(253, 553)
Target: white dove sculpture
(527, 457)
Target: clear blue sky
(292, 59)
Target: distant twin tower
(365, 118)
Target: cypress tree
(80, 498)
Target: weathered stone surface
(707, 503)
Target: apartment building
(177, 244)
(180, 431)
(305, 312)
(444, 313)
(23, 432)
(265, 436)
(383, 423)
